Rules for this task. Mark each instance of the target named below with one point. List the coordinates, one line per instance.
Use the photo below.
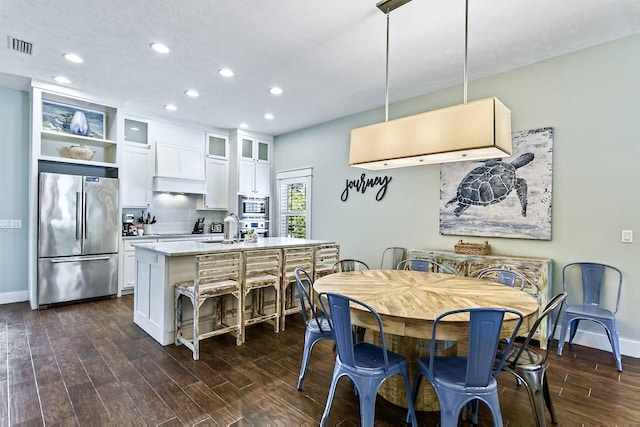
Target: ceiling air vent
(20, 46)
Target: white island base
(159, 266)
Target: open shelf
(52, 144)
(77, 161)
(71, 138)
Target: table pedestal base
(393, 388)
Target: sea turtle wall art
(508, 197)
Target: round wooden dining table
(409, 301)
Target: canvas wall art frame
(57, 117)
(508, 197)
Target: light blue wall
(14, 167)
(589, 97)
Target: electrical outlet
(15, 223)
(627, 236)
(4, 223)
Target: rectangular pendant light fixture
(473, 131)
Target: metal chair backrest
(593, 278)
(339, 307)
(484, 335)
(424, 265)
(393, 255)
(308, 308)
(349, 265)
(504, 276)
(554, 303)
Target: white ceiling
(328, 56)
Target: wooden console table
(537, 271)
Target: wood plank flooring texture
(89, 364)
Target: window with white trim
(294, 203)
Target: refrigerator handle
(84, 214)
(78, 216)
(76, 259)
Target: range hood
(475, 130)
(179, 169)
(178, 185)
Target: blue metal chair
(592, 278)
(367, 365)
(352, 265)
(504, 276)
(529, 367)
(317, 325)
(459, 380)
(424, 265)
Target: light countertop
(205, 236)
(194, 247)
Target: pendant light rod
(466, 45)
(386, 83)
(386, 6)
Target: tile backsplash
(176, 213)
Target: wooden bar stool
(262, 270)
(217, 276)
(325, 256)
(292, 258)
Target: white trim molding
(601, 342)
(11, 297)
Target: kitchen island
(160, 265)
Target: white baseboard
(601, 342)
(11, 297)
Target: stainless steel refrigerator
(78, 237)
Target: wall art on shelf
(508, 197)
(72, 120)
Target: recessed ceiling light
(243, 126)
(268, 116)
(171, 107)
(225, 72)
(72, 57)
(159, 47)
(135, 129)
(275, 90)
(192, 93)
(62, 79)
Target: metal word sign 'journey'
(361, 185)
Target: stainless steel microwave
(253, 207)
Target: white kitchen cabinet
(263, 178)
(254, 167)
(254, 178)
(216, 172)
(255, 149)
(136, 131)
(136, 165)
(246, 177)
(128, 265)
(216, 194)
(136, 174)
(218, 146)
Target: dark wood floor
(88, 364)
